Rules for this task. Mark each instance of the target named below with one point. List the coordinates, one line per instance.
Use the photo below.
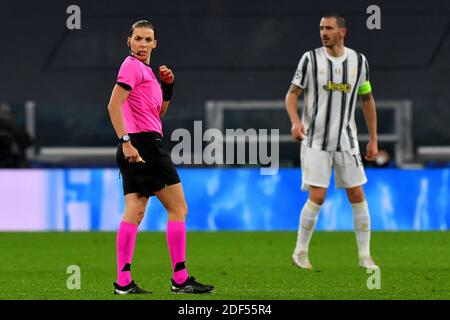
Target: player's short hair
(339, 19)
(142, 24)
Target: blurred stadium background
(57, 83)
(233, 62)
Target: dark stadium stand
(219, 50)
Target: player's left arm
(370, 116)
(167, 81)
(369, 111)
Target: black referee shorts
(156, 173)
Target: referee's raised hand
(166, 75)
(131, 154)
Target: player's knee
(317, 195)
(356, 195)
(317, 198)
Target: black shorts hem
(156, 173)
(149, 194)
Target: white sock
(361, 223)
(308, 220)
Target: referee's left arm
(164, 107)
(167, 83)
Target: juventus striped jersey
(331, 86)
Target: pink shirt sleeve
(129, 75)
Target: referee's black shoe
(191, 286)
(132, 288)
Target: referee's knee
(134, 216)
(179, 212)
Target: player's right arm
(118, 97)
(297, 130)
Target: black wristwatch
(125, 138)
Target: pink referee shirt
(141, 108)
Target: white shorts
(317, 165)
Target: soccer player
(331, 78)
(137, 104)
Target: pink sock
(125, 240)
(176, 241)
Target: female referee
(137, 104)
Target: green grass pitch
(241, 265)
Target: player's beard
(329, 44)
(332, 43)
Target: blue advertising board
(220, 199)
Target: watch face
(126, 138)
